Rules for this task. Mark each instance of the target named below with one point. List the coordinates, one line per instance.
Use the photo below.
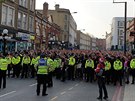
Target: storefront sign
(25, 37)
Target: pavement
(129, 92)
(25, 90)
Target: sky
(95, 16)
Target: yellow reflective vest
(16, 60)
(107, 65)
(26, 60)
(3, 64)
(89, 63)
(71, 61)
(33, 61)
(117, 65)
(132, 64)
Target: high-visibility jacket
(59, 62)
(3, 64)
(89, 63)
(26, 60)
(132, 64)
(33, 61)
(50, 64)
(117, 65)
(55, 63)
(42, 66)
(107, 65)
(71, 61)
(16, 60)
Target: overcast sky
(95, 16)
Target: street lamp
(125, 24)
(4, 34)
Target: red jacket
(99, 66)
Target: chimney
(45, 10)
(57, 6)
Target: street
(25, 90)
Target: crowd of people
(67, 65)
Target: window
(121, 33)
(31, 23)
(7, 15)
(65, 27)
(65, 17)
(19, 20)
(11, 16)
(32, 5)
(24, 24)
(120, 23)
(4, 14)
(22, 21)
(20, 2)
(23, 3)
(121, 42)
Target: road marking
(54, 98)
(7, 94)
(33, 84)
(62, 93)
(71, 88)
(117, 94)
(76, 84)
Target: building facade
(131, 35)
(84, 41)
(65, 20)
(117, 32)
(46, 30)
(101, 44)
(17, 16)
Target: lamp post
(4, 34)
(125, 24)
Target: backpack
(42, 62)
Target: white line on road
(76, 84)
(7, 94)
(62, 93)
(54, 98)
(71, 88)
(33, 84)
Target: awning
(12, 40)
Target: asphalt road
(25, 90)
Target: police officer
(118, 70)
(107, 70)
(25, 63)
(42, 74)
(58, 69)
(71, 68)
(51, 68)
(3, 69)
(132, 66)
(9, 59)
(33, 62)
(15, 61)
(89, 65)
